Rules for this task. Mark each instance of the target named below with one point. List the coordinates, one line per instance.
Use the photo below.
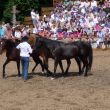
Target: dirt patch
(63, 93)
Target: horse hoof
(48, 75)
(3, 77)
(43, 72)
(52, 78)
(82, 71)
(85, 75)
(65, 74)
(19, 75)
(32, 71)
(79, 74)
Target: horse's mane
(10, 43)
(46, 39)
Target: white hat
(65, 11)
(102, 25)
(44, 16)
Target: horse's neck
(9, 48)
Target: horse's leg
(41, 64)
(6, 62)
(55, 65)
(78, 61)
(45, 60)
(85, 64)
(34, 67)
(68, 65)
(18, 67)
(61, 66)
(83, 67)
(38, 61)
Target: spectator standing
(33, 16)
(101, 36)
(2, 32)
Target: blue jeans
(25, 66)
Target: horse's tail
(90, 57)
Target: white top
(37, 16)
(35, 30)
(94, 3)
(18, 34)
(54, 30)
(25, 49)
(33, 15)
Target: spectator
(2, 32)
(101, 36)
(17, 34)
(33, 16)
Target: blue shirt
(2, 32)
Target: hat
(65, 11)
(44, 16)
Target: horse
(71, 50)
(46, 47)
(83, 52)
(63, 52)
(13, 54)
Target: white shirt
(18, 34)
(94, 3)
(33, 15)
(54, 30)
(35, 30)
(25, 49)
(37, 16)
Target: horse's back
(66, 51)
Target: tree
(2, 7)
(24, 6)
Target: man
(25, 50)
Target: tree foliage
(24, 7)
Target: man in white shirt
(25, 50)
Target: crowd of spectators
(9, 32)
(73, 20)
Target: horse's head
(38, 44)
(6, 44)
(2, 45)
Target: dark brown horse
(82, 50)
(46, 47)
(57, 50)
(13, 54)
